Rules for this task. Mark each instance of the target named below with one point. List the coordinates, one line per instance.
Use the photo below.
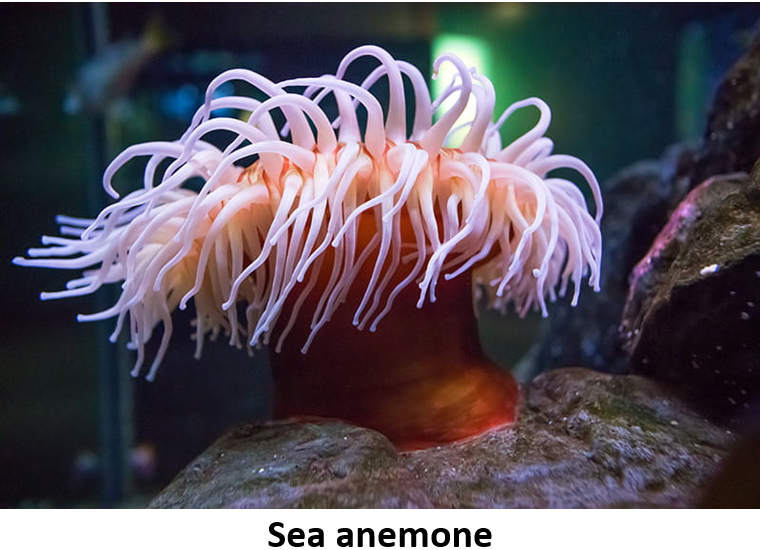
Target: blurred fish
(181, 103)
(9, 104)
(86, 466)
(143, 462)
(106, 79)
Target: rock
(638, 201)
(682, 322)
(730, 139)
(295, 465)
(693, 311)
(584, 439)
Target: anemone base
(421, 379)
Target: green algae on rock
(692, 313)
(585, 440)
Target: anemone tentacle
(290, 229)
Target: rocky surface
(584, 439)
(693, 312)
(638, 201)
(730, 140)
(296, 465)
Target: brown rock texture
(693, 310)
(638, 201)
(584, 439)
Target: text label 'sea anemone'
(382, 225)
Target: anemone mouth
(252, 237)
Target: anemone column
(421, 378)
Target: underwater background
(624, 82)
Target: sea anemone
(359, 219)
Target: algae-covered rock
(693, 311)
(295, 465)
(691, 316)
(638, 201)
(584, 439)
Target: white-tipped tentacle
(433, 140)
(485, 97)
(513, 150)
(374, 135)
(288, 225)
(554, 162)
(395, 125)
(300, 129)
